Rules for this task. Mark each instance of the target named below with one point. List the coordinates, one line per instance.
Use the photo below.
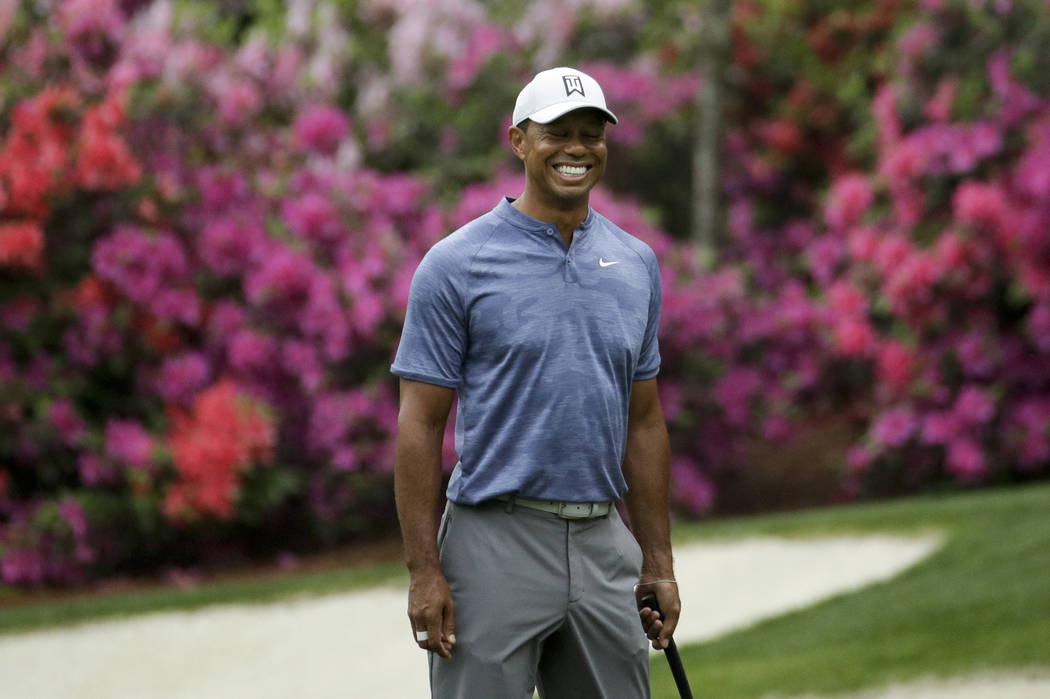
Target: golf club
(671, 652)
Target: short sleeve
(434, 337)
(649, 359)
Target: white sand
(359, 645)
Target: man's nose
(575, 145)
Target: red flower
(104, 161)
(33, 161)
(21, 245)
(223, 436)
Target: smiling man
(541, 315)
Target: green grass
(980, 603)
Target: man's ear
(517, 141)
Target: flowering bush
(207, 237)
(898, 233)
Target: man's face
(563, 159)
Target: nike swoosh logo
(603, 263)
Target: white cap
(559, 91)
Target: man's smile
(572, 171)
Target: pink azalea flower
(283, 278)
(1038, 323)
(691, 489)
(94, 471)
(181, 377)
(320, 128)
(974, 405)
(64, 417)
(314, 217)
(226, 244)
(128, 442)
(894, 365)
(226, 319)
(250, 351)
(894, 427)
(859, 460)
(301, 360)
(846, 300)
(939, 107)
(824, 255)
(941, 427)
(966, 460)
(734, 391)
(848, 199)
(977, 204)
(853, 337)
(863, 244)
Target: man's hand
(430, 610)
(659, 627)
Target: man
(542, 316)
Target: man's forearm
(417, 484)
(647, 471)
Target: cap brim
(549, 114)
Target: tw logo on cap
(573, 84)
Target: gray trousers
(540, 603)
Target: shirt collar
(527, 223)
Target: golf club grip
(674, 660)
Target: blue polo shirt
(542, 344)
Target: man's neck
(567, 220)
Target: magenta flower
(974, 405)
(824, 255)
(319, 128)
(979, 204)
(148, 269)
(250, 351)
(853, 337)
(848, 199)
(1039, 326)
(301, 361)
(94, 471)
(691, 489)
(283, 278)
(64, 417)
(846, 300)
(227, 244)
(894, 365)
(894, 427)
(128, 442)
(226, 319)
(941, 427)
(93, 27)
(939, 107)
(329, 420)
(966, 460)
(181, 377)
(734, 391)
(859, 460)
(312, 216)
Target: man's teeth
(571, 170)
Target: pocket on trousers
(627, 546)
(446, 522)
